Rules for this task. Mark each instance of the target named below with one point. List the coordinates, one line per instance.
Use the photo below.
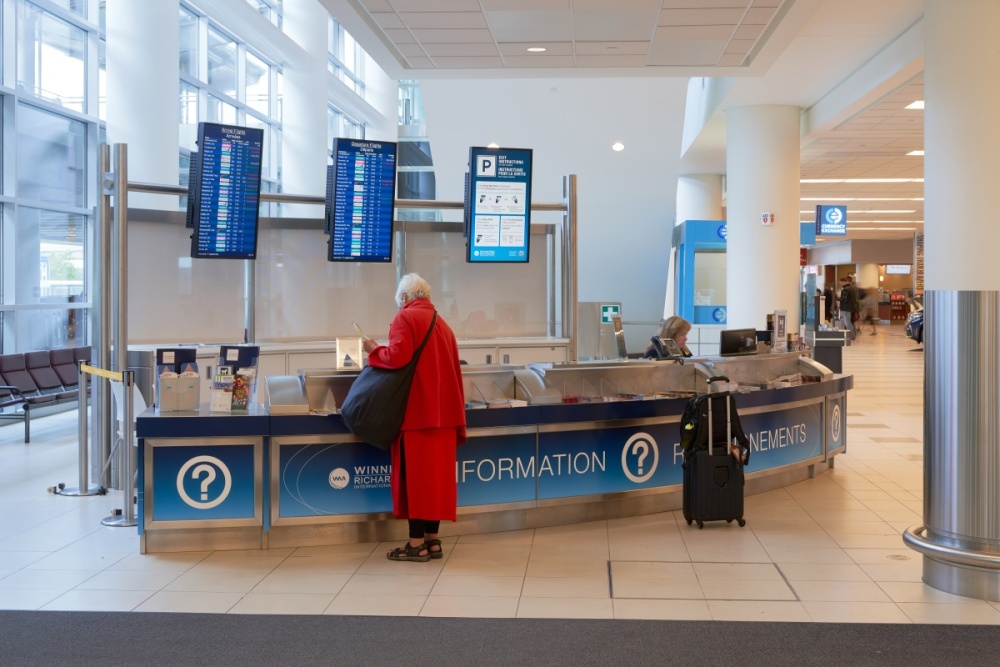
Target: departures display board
(499, 194)
(363, 198)
(226, 191)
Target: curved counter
(260, 480)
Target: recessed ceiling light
(493, 144)
(915, 153)
(537, 49)
(919, 104)
(618, 146)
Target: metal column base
(92, 490)
(971, 582)
(965, 572)
(119, 520)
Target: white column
(962, 145)
(305, 147)
(762, 261)
(142, 83)
(867, 275)
(699, 197)
(960, 536)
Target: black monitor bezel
(199, 220)
(743, 334)
(332, 194)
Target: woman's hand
(368, 344)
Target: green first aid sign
(609, 311)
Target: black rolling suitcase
(713, 475)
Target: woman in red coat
(424, 489)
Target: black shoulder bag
(376, 402)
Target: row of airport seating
(30, 380)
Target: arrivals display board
(499, 204)
(363, 194)
(226, 191)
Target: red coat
(424, 486)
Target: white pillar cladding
(699, 197)
(762, 176)
(960, 536)
(867, 275)
(305, 146)
(143, 92)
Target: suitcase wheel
(689, 521)
(729, 520)
(701, 524)
(741, 522)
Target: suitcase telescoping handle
(718, 378)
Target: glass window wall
(51, 57)
(51, 157)
(222, 62)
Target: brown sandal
(410, 552)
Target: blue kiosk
(701, 271)
(700, 279)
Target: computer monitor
(738, 341)
(360, 199)
(226, 191)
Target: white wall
(626, 199)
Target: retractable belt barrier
(126, 458)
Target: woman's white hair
(414, 287)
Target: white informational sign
(767, 219)
(779, 338)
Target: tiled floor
(828, 549)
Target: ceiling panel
(455, 35)
(613, 25)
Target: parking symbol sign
(486, 165)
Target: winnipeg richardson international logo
(339, 478)
(640, 457)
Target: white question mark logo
(643, 445)
(207, 465)
(210, 477)
(642, 448)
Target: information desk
(263, 480)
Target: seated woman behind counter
(675, 327)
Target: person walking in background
(849, 306)
(869, 309)
(829, 306)
(424, 488)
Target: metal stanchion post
(85, 488)
(127, 458)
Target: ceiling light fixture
(862, 198)
(618, 146)
(919, 104)
(537, 49)
(915, 153)
(861, 180)
(493, 144)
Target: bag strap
(416, 355)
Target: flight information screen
(227, 192)
(363, 197)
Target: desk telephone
(666, 348)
